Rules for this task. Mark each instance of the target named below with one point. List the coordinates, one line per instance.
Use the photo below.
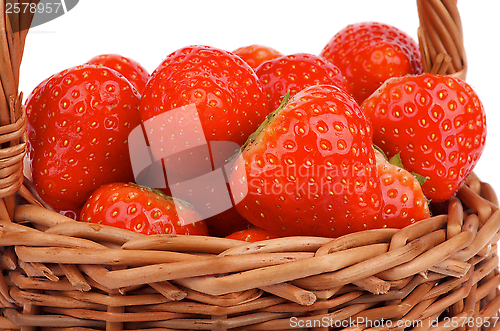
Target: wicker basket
(59, 274)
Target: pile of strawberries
(354, 138)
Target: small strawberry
(404, 202)
(129, 68)
(225, 223)
(78, 125)
(369, 53)
(255, 54)
(436, 123)
(141, 209)
(292, 73)
(252, 235)
(310, 168)
(228, 96)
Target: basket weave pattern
(58, 274)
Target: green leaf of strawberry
(269, 118)
(396, 160)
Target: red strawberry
(292, 73)
(129, 68)
(255, 54)
(404, 202)
(225, 223)
(310, 168)
(78, 126)
(252, 235)
(369, 53)
(143, 210)
(228, 96)
(438, 125)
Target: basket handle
(13, 122)
(440, 38)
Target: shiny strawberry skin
(129, 68)
(228, 95)
(252, 235)
(369, 53)
(256, 54)
(141, 209)
(437, 123)
(310, 168)
(403, 201)
(78, 126)
(292, 73)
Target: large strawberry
(437, 123)
(292, 73)
(78, 125)
(131, 69)
(228, 96)
(369, 53)
(141, 209)
(199, 106)
(403, 202)
(310, 168)
(256, 54)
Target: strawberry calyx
(403, 199)
(269, 118)
(396, 160)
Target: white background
(148, 30)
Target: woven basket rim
(432, 261)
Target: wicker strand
(169, 291)
(8, 79)
(374, 266)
